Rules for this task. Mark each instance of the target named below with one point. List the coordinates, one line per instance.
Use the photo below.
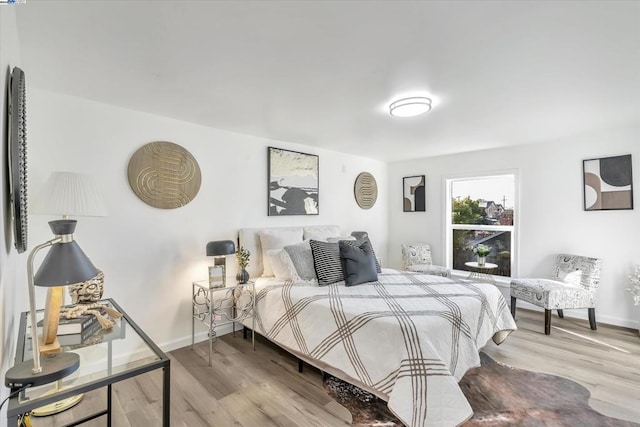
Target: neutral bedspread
(409, 336)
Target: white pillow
(276, 239)
(281, 264)
(321, 232)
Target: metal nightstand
(218, 306)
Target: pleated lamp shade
(70, 194)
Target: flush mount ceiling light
(410, 107)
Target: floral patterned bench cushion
(574, 284)
(434, 270)
(552, 294)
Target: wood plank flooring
(263, 388)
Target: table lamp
(65, 194)
(218, 272)
(69, 194)
(64, 264)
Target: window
(482, 209)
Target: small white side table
(481, 272)
(211, 306)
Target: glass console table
(105, 358)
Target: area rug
(499, 395)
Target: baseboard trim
(582, 315)
(199, 337)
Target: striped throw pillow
(326, 261)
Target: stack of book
(75, 331)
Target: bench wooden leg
(300, 365)
(592, 319)
(513, 307)
(560, 313)
(547, 322)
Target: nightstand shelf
(219, 306)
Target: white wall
(12, 275)
(551, 216)
(150, 256)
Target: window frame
(514, 229)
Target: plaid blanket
(408, 336)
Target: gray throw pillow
(359, 263)
(302, 259)
(366, 239)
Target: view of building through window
(482, 213)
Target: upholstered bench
(573, 284)
(416, 257)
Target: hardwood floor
(263, 388)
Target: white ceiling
(322, 73)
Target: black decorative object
(17, 155)
(293, 183)
(413, 194)
(608, 183)
(242, 277)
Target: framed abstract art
(413, 194)
(608, 183)
(293, 183)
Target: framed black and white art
(413, 194)
(293, 183)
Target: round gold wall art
(164, 175)
(365, 190)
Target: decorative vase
(242, 277)
(481, 260)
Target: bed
(407, 337)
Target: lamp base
(59, 406)
(54, 367)
(50, 348)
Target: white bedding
(409, 337)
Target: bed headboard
(249, 238)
